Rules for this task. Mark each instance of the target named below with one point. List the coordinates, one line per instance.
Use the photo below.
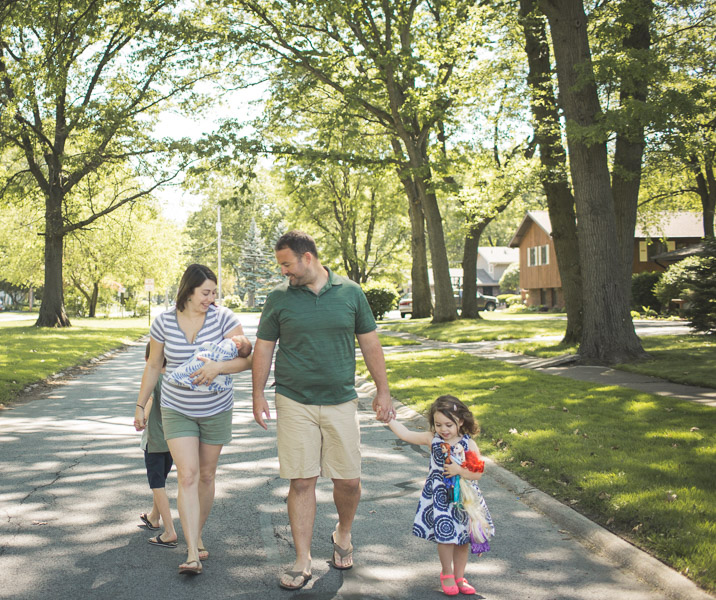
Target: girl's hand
(207, 373)
(452, 469)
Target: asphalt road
(72, 484)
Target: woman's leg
(185, 452)
(208, 460)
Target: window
(643, 256)
(532, 256)
(538, 255)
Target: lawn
(29, 354)
(494, 326)
(688, 359)
(638, 464)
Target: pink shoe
(464, 587)
(449, 590)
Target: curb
(594, 537)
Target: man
(317, 315)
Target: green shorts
(215, 429)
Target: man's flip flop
(158, 541)
(147, 522)
(343, 553)
(294, 575)
(188, 569)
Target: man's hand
(383, 406)
(261, 409)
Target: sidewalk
(72, 485)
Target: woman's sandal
(464, 587)
(188, 569)
(203, 553)
(343, 553)
(294, 575)
(449, 590)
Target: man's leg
(346, 495)
(301, 515)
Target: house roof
(484, 278)
(681, 253)
(498, 255)
(539, 217)
(665, 225)
(672, 225)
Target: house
(492, 261)
(539, 273)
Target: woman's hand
(207, 373)
(140, 419)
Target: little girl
(451, 510)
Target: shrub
(513, 299)
(673, 282)
(510, 280)
(702, 284)
(232, 301)
(642, 290)
(382, 297)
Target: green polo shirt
(315, 361)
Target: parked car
(405, 305)
(484, 302)
(488, 303)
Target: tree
(510, 280)
(401, 65)
(701, 281)
(553, 159)
(606, 222)
(81, 84)
(256, 269)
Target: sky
(178, 204)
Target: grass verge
(29, 354)
(638, 464)
(688, 359)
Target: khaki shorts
(317, 440)
(215, 430)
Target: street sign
(149, 285)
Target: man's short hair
(299, 243)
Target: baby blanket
(224, 350)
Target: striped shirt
(165, 329)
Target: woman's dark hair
(299, 243)
(193, 277)
(454, 410)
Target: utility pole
(218, 243)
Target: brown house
(539, 273)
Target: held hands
(452, 469)
(383, 407)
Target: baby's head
(146, 356)
(456, 411)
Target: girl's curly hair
(454, 410)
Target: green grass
(491, 327)
(29, 354)
(688, 359)
(640, 465)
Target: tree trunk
(553, 175)
(608, 333)
(469, 271)
(93, 300)
(629, 146)
(52, 310)
(706, 186)
(422, 300)
(420, 167)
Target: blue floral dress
(437, 519)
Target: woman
(196, 423)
